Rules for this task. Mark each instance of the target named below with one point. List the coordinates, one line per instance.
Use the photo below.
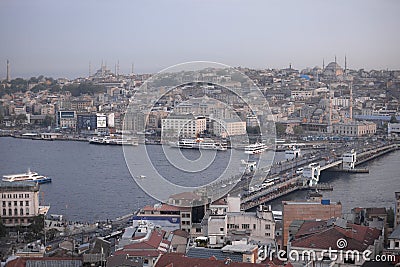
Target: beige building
(47, 109)
(229, 127)
(19, 203)
(355, 129)
(182, 125)
(308, 210)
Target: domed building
(333, 69)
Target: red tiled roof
(180, 260)
(358, 238)
(310, 227)
(180, 232)
(163, 207)
(146, 248)
(21, 261)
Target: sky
(59, 38)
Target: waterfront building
(229, 127)
(66, 119)
(183, 125)
(317, 208)
(19, 203)
(355, 129)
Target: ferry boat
(256, 148)
(200, 143)
(108, 140)
(28, 176)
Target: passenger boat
(108, 140)
(256, 148)
(200, 143)
(28, 176)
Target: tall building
(308, 210)
(19, 203)
(8, 71)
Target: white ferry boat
(108, 140)
(28, 176)
(200, 143)
(256, 148)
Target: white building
(225, 222)
(19, 203)
(393, 128)
(183, 125)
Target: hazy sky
(60, 37)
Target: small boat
(29, 176)
(109, 140)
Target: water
(93, 183)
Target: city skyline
(59, 40)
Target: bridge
(348, 161)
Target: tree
(298, 130)
(48, 121)
(280, 129)
(3, 230)
(393, 119)
(20, 119)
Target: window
(267, 234)
(27, 203)
(15, 211)
(26, 195)
(4, 203)
(4, 212)
(21, 211)
(221, 229)
(245, 226)
(254, 226)
(9, 203)
(21, 203)
(27, 211)
(267, 227)
(9, 212)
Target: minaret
(335, 59)
(132, 69)
(8, 71)
(351, 102)
(323, 64)
(330, 111)
(118, 67)
(90, 69)
(345, 64)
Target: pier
(297, 182)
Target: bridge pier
(349, 160)
(312, 173)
